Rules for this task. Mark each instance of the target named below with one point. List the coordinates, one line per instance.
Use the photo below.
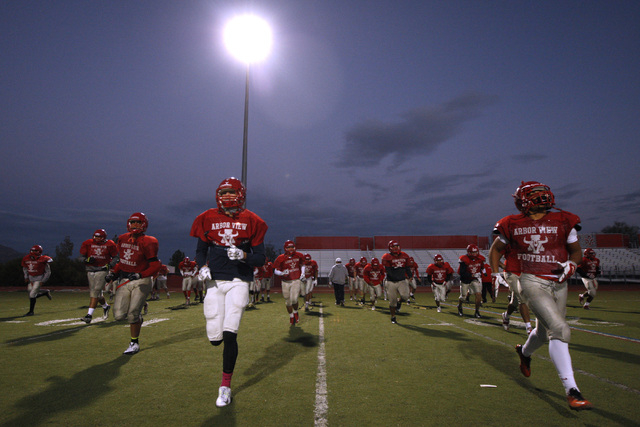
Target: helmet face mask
(394, 247)
(589, 253)
(230, 196)
(35, 251)
(137, 223)
(99, 236)
(533, 197)
(375, 262)
(473, 251)
(289, 247)
(438, 260)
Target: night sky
(367, 118)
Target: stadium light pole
(248, 38)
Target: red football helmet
(289, 247)
(439, 260)
(363, 260)
(230, 196)
(352, 260)
(36, 250)
(533, 195)
(473, 251)
(137, 223)
(307, 257)
(589, 253)
(375, 262)
(186, 260)
(100, 235)
(394, 247)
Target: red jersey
(511, 261)
(351, 269)
(373, 275)
(266, 270)
(245, 230)
(589, 268)
(188, 269)
(396, 266)
(138, 254)
(292, 262)
(163, 271)
(486, 274)
(36, 266)
(539, 244)
(101, 254)
(311, 269)
(469, 267)
(359, 269)
(439, 275)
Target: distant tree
(176, 258)
(270, 250)
(65, 249)
(623, 228)
(11, 273)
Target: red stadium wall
(611, 240)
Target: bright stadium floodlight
(248, 39)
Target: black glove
(110, 277)
(134, 276)
(89, 260)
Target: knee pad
(216, 343)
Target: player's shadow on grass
(50, 336)
(435, 332)
(66, 395)
(618, 356)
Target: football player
(289, 266)
(546, 243)
(161, 282)
(439, 274)
(311, 280)
(509, 279)
(398, 272)
(470, 271)
(413, 283)
(589, 269)
(138, 263)
(37, 271)
(359, 280)
(188, 270)
(230, 246)
(374, 275)
(351, 269)
(266, 279)
(98, 255)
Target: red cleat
(576, 401)
(525, 362)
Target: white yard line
(322, 404)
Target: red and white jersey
(311, 269)
(292, 262)
(486, 274)
(396, 266)
(373, 275)
(589, 268)
(414, 269)
(245, 230)
(101, 253)
(351, 269)
(359, 269)
(36, 266)
(163, 271)
(511, 261)
(266, 271)
(188, 269)
(439, 275)
(539, 244)
(138, 254)
(474, 265)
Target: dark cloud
(420, 132)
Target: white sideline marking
(322, 405)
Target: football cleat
(133, 348)
(459, 311)
(373, 308)
(581, 298)
(393, 320)
(586, 307)
(576, 401)
(87, 319)
(224, 397)
(505, 321)
(48, 295)
(525, 362)
(292, 321)
(29, 313)
(439, 309)
(477, 315)
(296, 318)
(106, 311)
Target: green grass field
(429, 369)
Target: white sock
(559, 352)
(527, 324)
(90, 313)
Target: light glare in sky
(248, 38)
